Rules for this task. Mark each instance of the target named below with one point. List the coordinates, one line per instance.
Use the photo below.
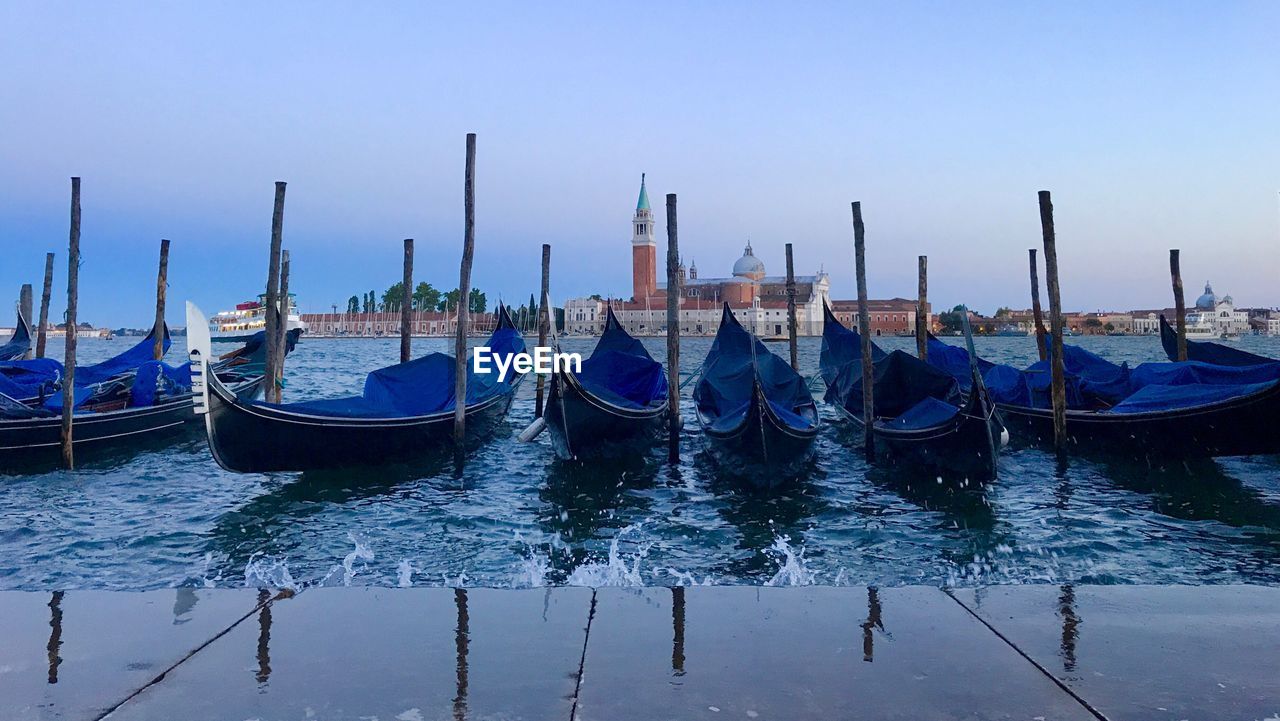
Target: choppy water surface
(168, 516)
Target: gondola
(405, 411)
(1160, 411)
(142, 399)
(615, 404)
(18, 344)
(921, 417)
(755, 410)
(1207, 351)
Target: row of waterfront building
(759, 301)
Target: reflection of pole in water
(1061, 492)
(264, 638)
(1070, 626)
(55, 635)
(871, 624)
(463, 641)
(677, 630)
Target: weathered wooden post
(1059, 388)
(922, 308)
(406, 302)
(282, 327)
(69, 358)
(544, 323)
(673, 331)
(270, 391)
(162, 285)
(1179, 305)
(464, 296)
(24, 309)
(45, 293)
(864, 329)
(1037, 315)
(791, 311)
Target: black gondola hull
(251, 438)
(966, 446)
(24, 442)
(1236, 427)
(583, 425)
(762, 448)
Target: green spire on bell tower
(643, 202)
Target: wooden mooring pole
(270, 391)
(406, 302)
(673, 331)
(282, 327)
(464, 296)
(791, 311)
(1037, 315)
(1058, 379)
(42, 335)
(922, 307)
(69, 358)
(24, 308)
(162, 285)
(864, 329)
(544, 323)
(1179, 304)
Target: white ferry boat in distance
(248, 318)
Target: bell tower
(644, 251)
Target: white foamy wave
(267, 572)
(792, 570)
(361, 552)
(616, 570)
(531, 571)
(404, 574)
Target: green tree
(952, 321)
(393, 298)
(476, 302)
(449, 302)
(425, 297)
(1002, 313)
(353, 304)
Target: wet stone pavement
(1006, 652)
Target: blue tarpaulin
(954, 360)
(123, 363)
(620, 370)
(928, 413)
(737, 360)
(422, 386)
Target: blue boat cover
(900, 380)
(928, 413)
(1206, 351)
(1157, 397)
(123, 363)
(1094, 383)
(840, 347)
(422, 386)
(954, 360)
(24, 380)
(155, 379)
(620, 370)
(736, 362)
(17, 345)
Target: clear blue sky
(1155, 125)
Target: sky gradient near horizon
(1154, 125)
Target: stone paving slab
(73, 655)
(408, 654)
(1149, 652)
(804, 653)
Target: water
(166, 515)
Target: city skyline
(1153, 128)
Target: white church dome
(748, 264)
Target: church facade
(757, 299)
